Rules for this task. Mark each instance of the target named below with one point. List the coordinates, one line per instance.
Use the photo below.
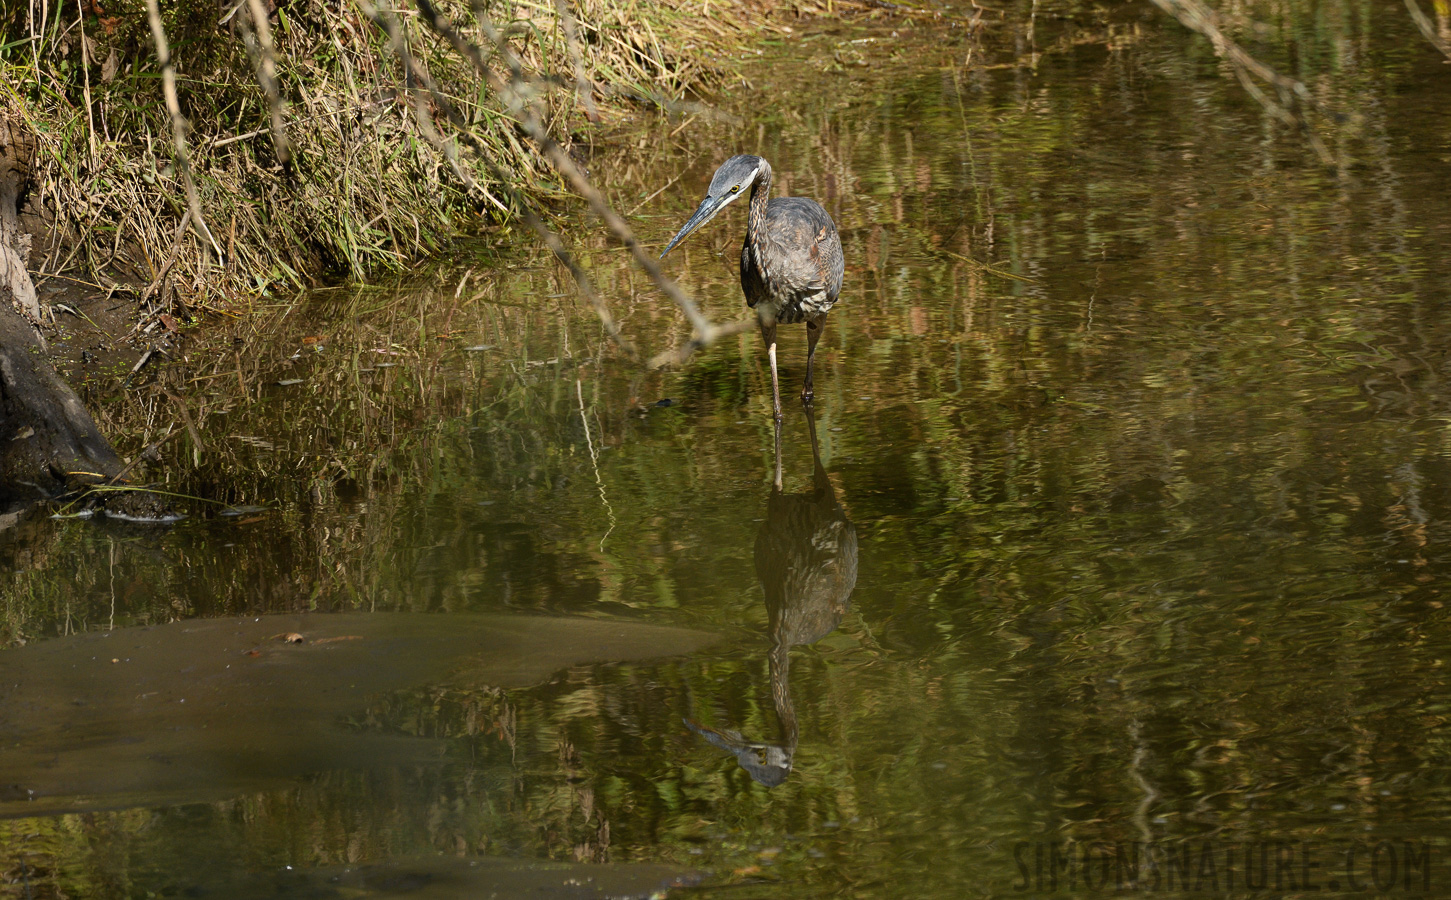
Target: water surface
(1137, 411)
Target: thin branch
(581, 277)
(1294, 97)
(389, 25)
(257, 35)
(562, 163)
(179, 127)
(686, 350)
(146, 453)
(413, 73)
(583, 88)
(165, 269)
(1428, 28)
(517, 93)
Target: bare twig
(216, 145)
(389, 25)
(519, 96)
(665, 187)
(583, 88)
(1428, 28)
(686, 350)
(414, 72)
(257, 35)
(581, 277)
(1294, 97)
(196, 436)
(517, 91)
(146, 452)
(178, 127)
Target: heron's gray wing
(803, 251)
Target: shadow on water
(806, 563)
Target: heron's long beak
(703, 213)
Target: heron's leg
(777, 481)
(818, 475)
(768, 334)
(813, 334)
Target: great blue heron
(791, 262)
(806, 561)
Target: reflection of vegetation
(1151, 535)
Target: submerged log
(49, 444)
(103, 720)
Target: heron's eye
(735, 189)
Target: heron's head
(768, 764)
(732, 180)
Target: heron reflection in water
(806, 561)
(791, 261)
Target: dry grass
(374, 171)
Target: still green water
(1139, 415)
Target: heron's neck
(780, 660)
(760, 195)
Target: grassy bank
(315, 140)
